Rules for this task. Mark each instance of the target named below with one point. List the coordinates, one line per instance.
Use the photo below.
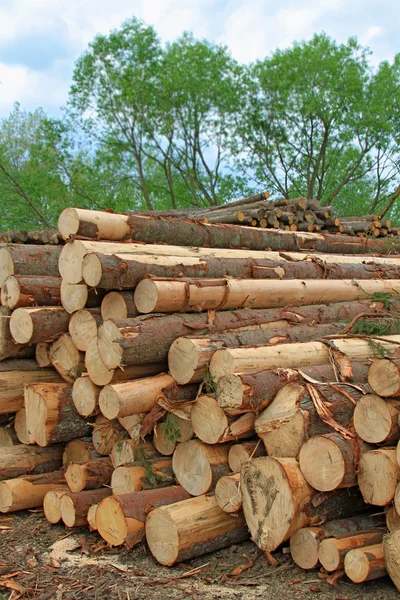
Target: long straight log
(75, 507)
(29, 491)
(29, 260)
(242, 360)
(73, 253)
(126, 342)
(19, 291)
(244, 392)
(305, 542)
(50, 414)
(121, 519)
(178, 231)
(34, 325)
(8, 347)
(171, 295)
(22, 460)
(365, 564)
(277, 501)
(12, 385)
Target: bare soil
(82, 566)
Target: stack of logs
(236, 392)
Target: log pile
(197, 396)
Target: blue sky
(41, 39)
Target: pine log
(376, 419)
(106, 434)
(8, 347)
(384, 377)
(240, 453)
(85, 396)
(277, 501)
(305, 542)
(74, 507)
(190, 528)
(7, 437)
(51, 504)
(19, 291)
(292, 417)
(128, 452)
(118, 305)
(242, 360)
(102, 375)
(173, 295)
(42, 352)
(212, 426)
(83, 326)
(121, 519)
(392, 519)
(378, 476)
(128, 479)
(50, 414)
(95, 224)
(330, 461)
(19, 259)
(66, 359)
(365, 564)
(132, 397)
(79, 450)
(228, 494)
(20, 427)
(198, 466)
(23, 460)
(91, 517)
(171, 431)
(34, 325)
(126, 342)
(188, 358)
(29, 491)
(75, 296)
(89, 475)
(12, 386)
(133, 425)
(239, 393)
(332, 552)
(391, 553)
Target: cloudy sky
(41, 39)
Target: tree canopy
(153, 126)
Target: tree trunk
(198, 466)
(8, 347)
(121, 519)
(378, 476)
(106, 434)
(384, 377)
(277, 501)
(42, 352)
(118, 305)
(131, 479)
(20, 259)
(332, 552)
(50, 414)
(365, 564)
(19, 291)
(127, 341)
(74, 507)
(188, 358)
(95, 224)
(75, 296)
(305, 542)
(23, 460)
(90, 475)
(228, 494)
(12, 386)
(293, 417)
(190, 528)
(212, 426)
(128, 452)
(240, 453)
(51, 504)
(66, 359)
(173, 295)
(244, 392)
(306, 354)
(34, 325)
(29, 491)
(80, 450)
(83, 326)
(376, 420)
(132, 397)
(330, 461)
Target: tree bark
(20, 291)
(74, 507)
(34, 325)
(90, 475)
(23, 460)
(29, 491)
(198, 466)
(29, 260)
(332, 552)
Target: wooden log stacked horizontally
(245, 386)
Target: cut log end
(113, 305)
(109, 347)
(51, 505)
(384, 377)
(74, 296)
(162, 537)
(227, 493)
(304, 548)
(97, 370)
(10, 292)
(6, 265)
(42, 353)
(91, 270)
(230, 391)
(68, 223)
(183, 360)
(209, 420)
(146, 296)
(82, 328)
(378, 476)
(111, 521)
(109, 402)
(21, 326)
(198, 466)
(85, 395)
(364, 564)
(376, 420)
(322, 463)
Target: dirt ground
(81, 565)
